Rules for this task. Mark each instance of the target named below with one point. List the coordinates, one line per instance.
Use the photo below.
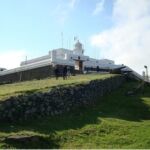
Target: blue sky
(36, 25)
(33, 27)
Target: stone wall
(57, 100)
(36, 73)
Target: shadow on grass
(114, 105)
(42, 142)
(132, 108)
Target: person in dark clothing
(97, 69)
(65, 73)
(68, 72)
(56, 72)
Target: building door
(79, 65)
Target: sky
(111, 29)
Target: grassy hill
(115, 121)
(14, 89)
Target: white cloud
(127, 41)
(64, 9)
(131, 9)
(11, 59)
(99, 7)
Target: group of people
(63, 71)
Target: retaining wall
(37, 73)
(57, 100)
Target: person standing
(97, 69)
(56, 72)
(65, 72)
(68, 72)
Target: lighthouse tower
(78, 50)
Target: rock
(8, 103)
(22, 138)
(56, 112)
(68, 109)
(2, 107)
(49, 108)
(29, 103)
(52, 114)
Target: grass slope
(115, 121)
(14, 89)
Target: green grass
(115, 121)
(8, 90)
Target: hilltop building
(42, 67)
(74, 58)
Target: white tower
(78, 50)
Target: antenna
(69, 43)
(75, 38)
(26, 60)
(84, 45)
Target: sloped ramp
(133, 74)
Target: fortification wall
(37, 73)
(57, 100)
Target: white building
(68, 57)
(61, 56)
(42, 67)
